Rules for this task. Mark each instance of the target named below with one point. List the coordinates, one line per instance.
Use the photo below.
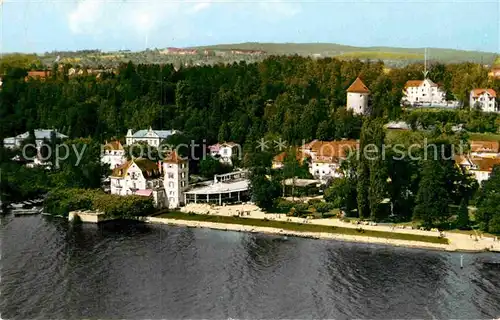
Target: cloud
(92, 17)
(85, 17)
(279, 8)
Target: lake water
(51, 270)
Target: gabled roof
(485, 164)
(413, 83)
(149, 168)
(41, 134)
(162, 134)
(418, 83)
(113, 145)
(299, 156)
(477, 92)
(358, 87)
(173, 157)
(485, 146)
(335, 149)
(217, 146)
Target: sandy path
(457, 241)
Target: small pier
(88, 216)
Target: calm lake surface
(51, 270)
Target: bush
(62, 201)
(313, 202)
(323, 207)
(494, 225)
(283, 206)
(301, 209)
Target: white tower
(358, 96)
(129, 137)
(176, 179)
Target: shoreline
(310, 235)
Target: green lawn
(301, 227)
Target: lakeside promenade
(457, 241)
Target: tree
(211, 166)
(463, 222)
(433, 198)
(488, 203)
(264, 190)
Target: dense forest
(288, 97)
(293, 97)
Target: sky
(47, 25)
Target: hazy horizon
(68, 25)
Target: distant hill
(342, 51)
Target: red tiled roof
(413, 83)
(149, 168)
(173, 157)
(331, 149)
(485, 146)
(486, 164)
(358, 87)
(39, 74)
(113, 145)
(298, 155)
(477, 92)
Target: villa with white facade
(358, 96)
(225, 151)
(324, 157)
(113, 154)
(423, 92)
(40, 136)
(150, 136)
(141, 177)
(480, 160)
(483, 99)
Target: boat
(27, 212)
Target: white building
(113, 154)
(225, 151)
(176, 179)
(40, 136)
(358, 96)
(141, 177)
(424, 92)
(325, 157)
(226, 188)
(479, 168)
(484, 99)
(152, 137)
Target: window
(170, 184)
(171, 193)
(170, 175)
(183, 184)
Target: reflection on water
(52, 269)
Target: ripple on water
(128, 270)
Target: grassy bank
(301, 227)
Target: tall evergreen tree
(433, 198)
